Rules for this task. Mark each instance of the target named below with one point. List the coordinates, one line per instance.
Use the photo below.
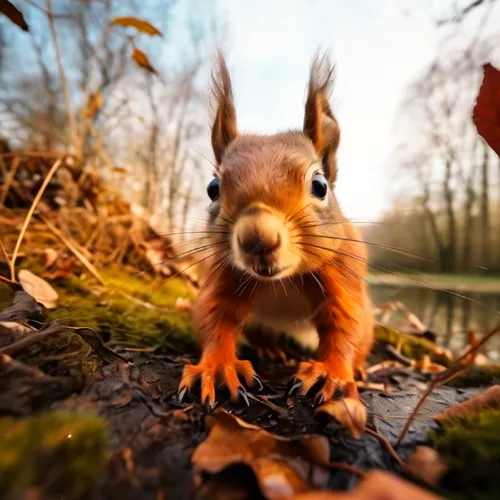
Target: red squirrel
(281, 249)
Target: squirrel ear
(320, 124)
(224, 128)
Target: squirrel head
(275, 193)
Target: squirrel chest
(286, 308)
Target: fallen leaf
(350, 412)
(10, 11)
(486, 113)
(274, 459)
(50, 256)
(377, 485)
(426, 465)
(120, 170)
(38, 288)
(142, 60)
(138, 24)
(489, 399)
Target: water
(445, 314)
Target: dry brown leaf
(489, 399)
(377, 485)
(138, 24)
(142, 60)
(94, 105)
(350, 412)
(426, 465)
(273, 459)
(120, 170)
(50, 256)
(38, 288)
(10, 11)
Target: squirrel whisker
(402, 251)
(380, 268)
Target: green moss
(471, 449)
(116, 317)
(62, 452)
(477, 377)
(412, 347)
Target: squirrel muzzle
(261, 243)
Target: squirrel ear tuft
(320, 125)
(224, 129)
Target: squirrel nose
(259, 243)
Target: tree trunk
(451, 246)
(485, 205)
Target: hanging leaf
(138, 24)
(11, 12)
(486, 113)
(141, 59)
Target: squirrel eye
(213, 189)
(319, 186)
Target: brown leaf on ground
(142, 60)
(139, 24)
(10, 11)
(426, 465)
(281, 465)
(377, 485)
(350, 412)
(489, 399)
(38, 288)
(50, 256)
(486, 113)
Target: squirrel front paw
(213, 372)
(334, 374)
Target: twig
(442, 378)
(347, 467)
(72, 247)
(15, 164)
(27, 220)
(387, 445)
(31, 339)
(282, 412)
(62, 76)
(5, 254)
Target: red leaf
(486, 113)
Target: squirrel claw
(258, 383)
(242, 395)
(311, 374)
(181, 394)
(295, 388)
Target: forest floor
(88, 409)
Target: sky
(379, 47)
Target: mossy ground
(119, 319)
(411, 346)
(61, 452)
(471, 448)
